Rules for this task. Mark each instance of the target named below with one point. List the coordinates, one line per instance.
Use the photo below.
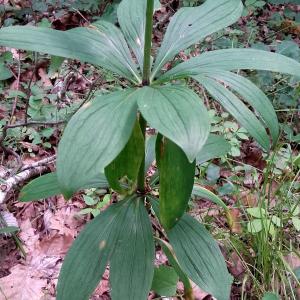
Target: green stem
(141, 175)
(146, 81)
(148, 42)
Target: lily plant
(104, 142)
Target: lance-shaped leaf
(132, 19)
(150, 151)
(95, 135)
(47, 186)
(233, 59)
(178, 114)
(121, 236)
(101, 44)
(192, 24)
(253, 95)
(238, 109)
(125, 167)
(132, 264)
(200, 257)
(202, 192)
(214, 147)
(176, 179)
(88, 256)
(42, 187)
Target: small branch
(34, 123)
(27, 172)
(28, 90)
(18, 87)
(12, 181)
(39, 163)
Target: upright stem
(148, 42)
(146, 81)
(141, 175)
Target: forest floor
(50, 90)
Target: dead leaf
(22, 285)
(234, 220)
(236, 266)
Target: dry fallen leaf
(22, 285)
(234, 220)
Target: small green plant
(94, 203)
(107, 136)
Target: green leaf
(47, 186)
(120, 235)
(238, 109)
(165, 281)
(192, 24)
(5, 73)
(150, 151)
(42, 187)
(200, 257)
(55, 64)
(296, 223)
(132, 19)
(176, 179)
(202, 192)
(253, 95)
(257, 212)
(166, 247)
(255, 226)
(88, 200)
(132, 264)
(92, 139)
(296, 272)
(214, 147)
(270, 296)
(127, 164)
(9, 229)
(88, 256)
(234, 59)
(276, 221)
(101, 44)
(178, 114)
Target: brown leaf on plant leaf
(234, 220)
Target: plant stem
(148, 42)
(188, 293)
(146, 81)
(141, 175)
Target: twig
(18, 86)
(26, 172)
(39, 163)
(12, 181)
(34, 123)
(28, 90)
